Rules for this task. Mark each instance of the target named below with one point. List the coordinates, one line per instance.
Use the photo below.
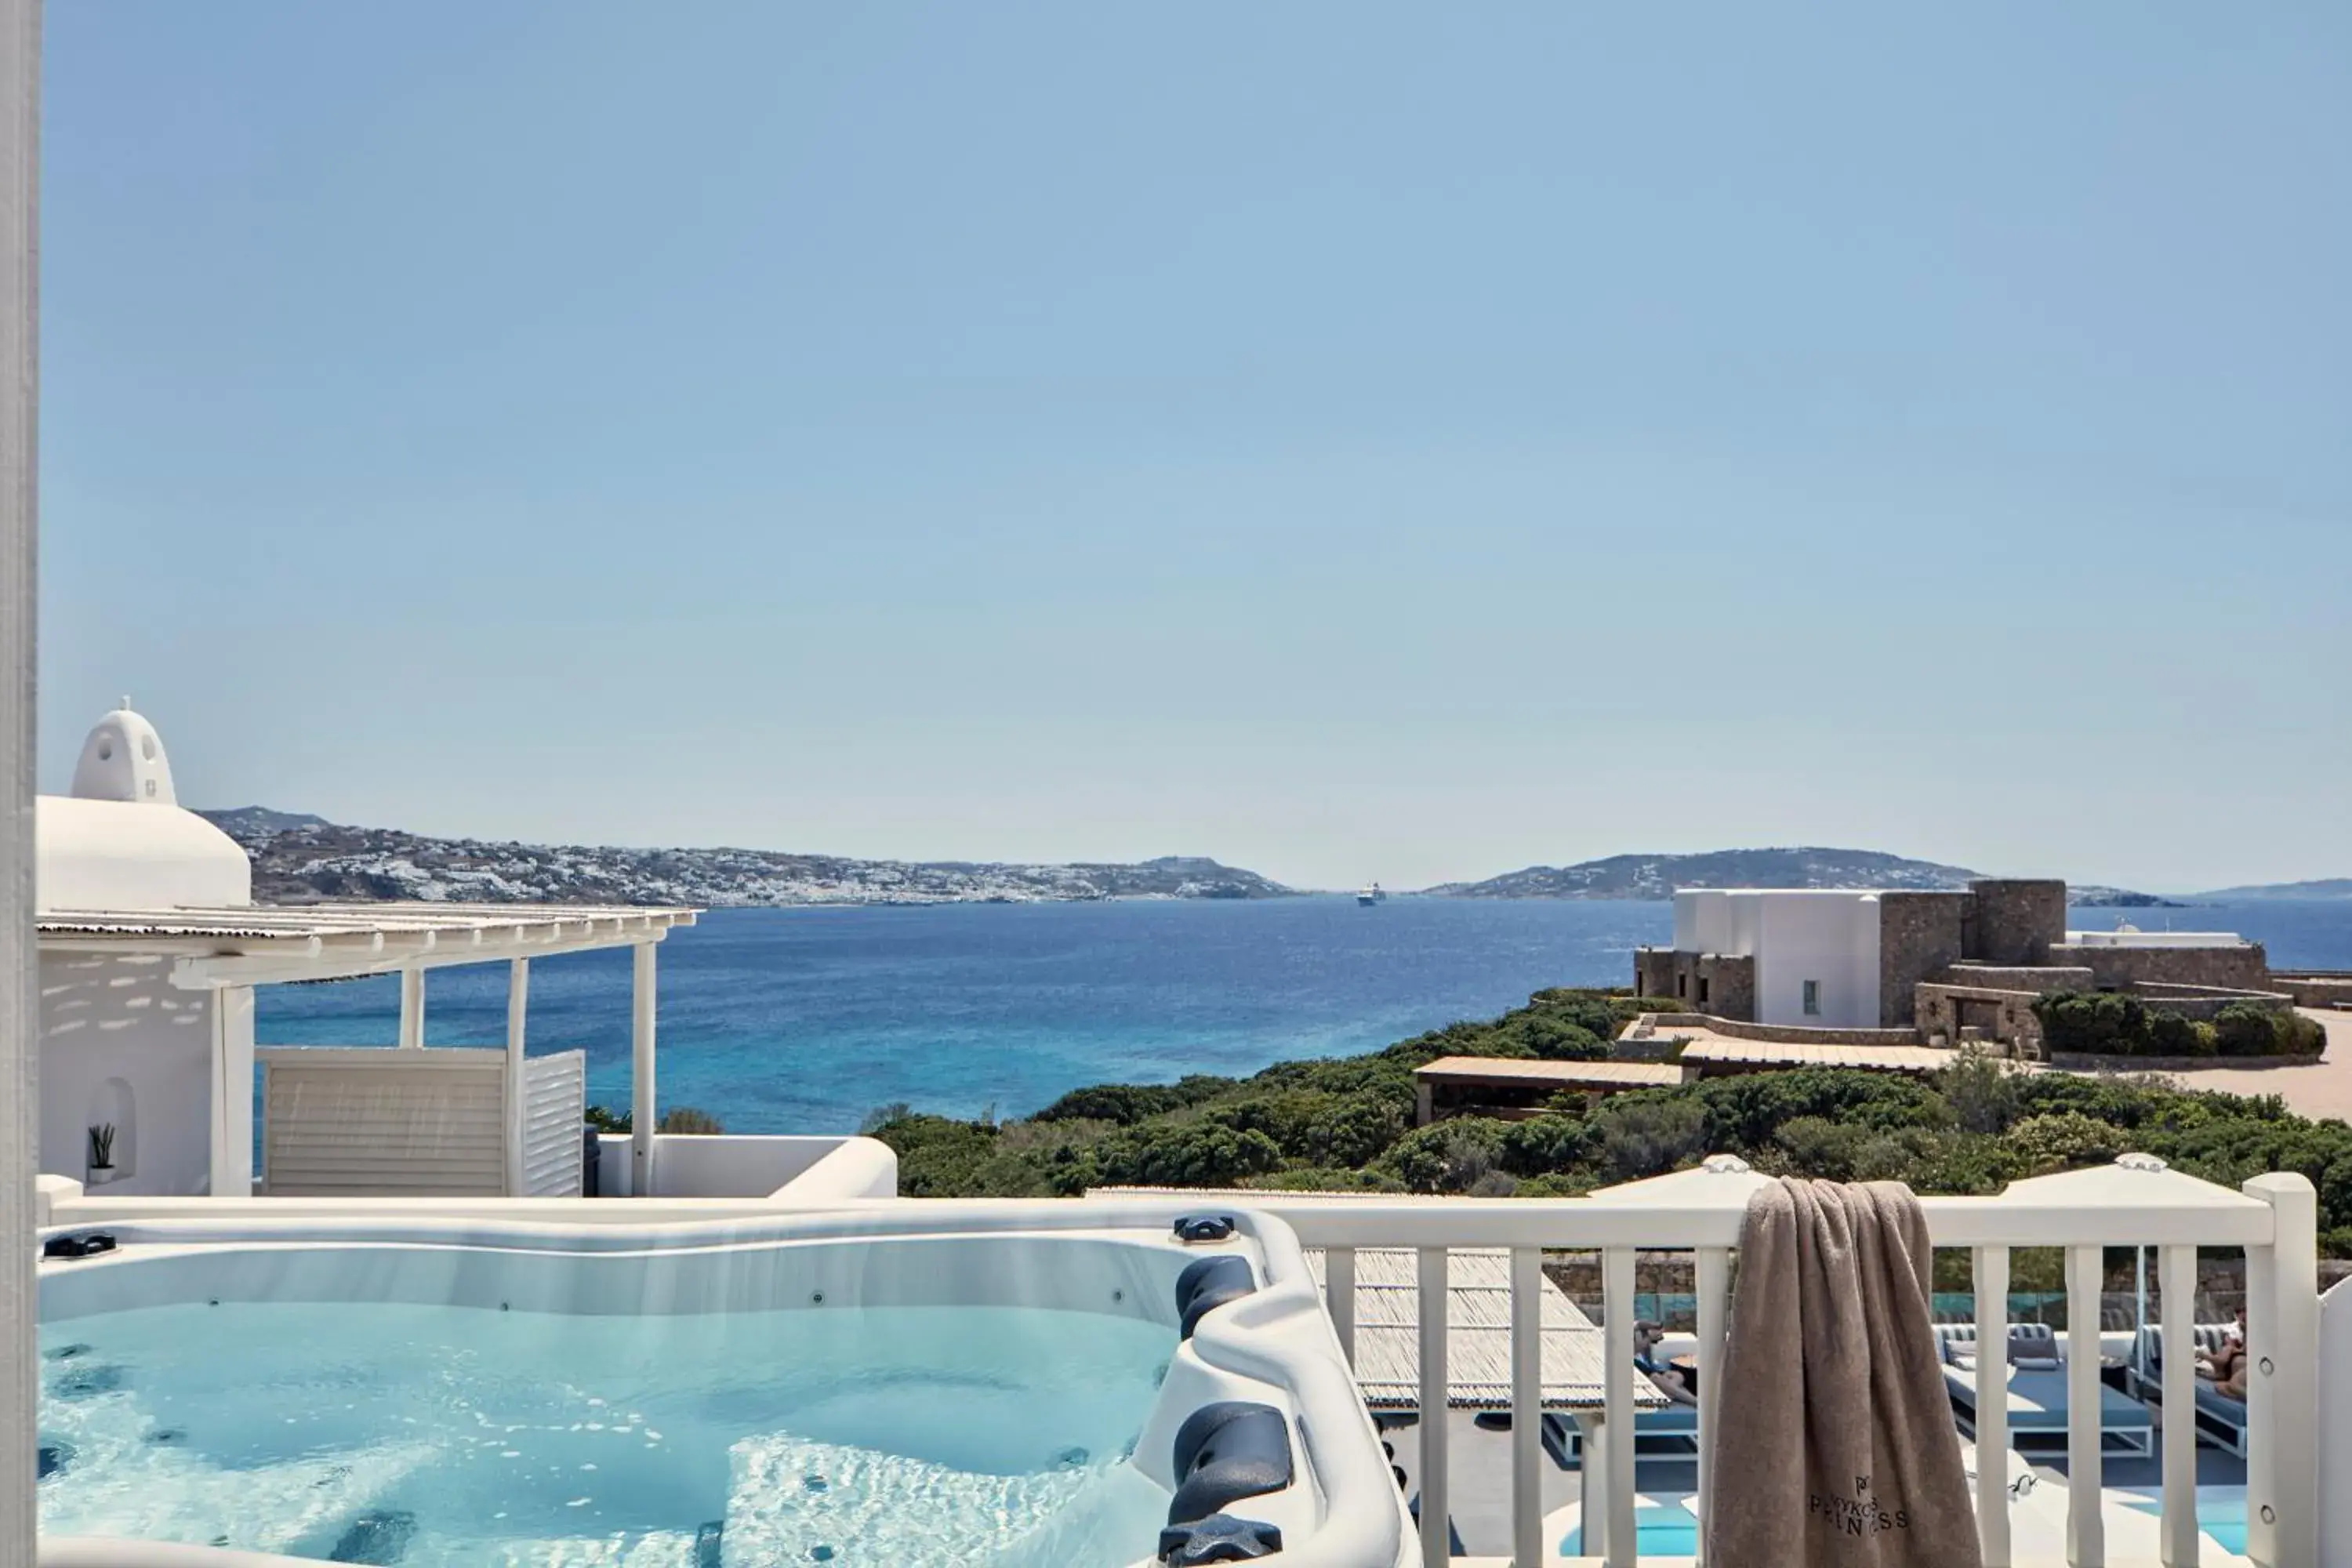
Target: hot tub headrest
(1209, 1282)
(1219, 1538)
(1231, 1449)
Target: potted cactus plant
(101, 1147)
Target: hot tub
(1015, 1385)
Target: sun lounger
(2038, 1411)
(2220, 1420)
(2036, 1378)
(1672, 1430)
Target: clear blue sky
(1351, 440)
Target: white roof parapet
(2131, 1181)
(1721, 1181)
(261, 945)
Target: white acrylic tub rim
(1276, 1346)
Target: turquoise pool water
(2221, 1518)
(434, 1436)
(1662, 1530)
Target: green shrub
(1567, 1185)
(1744, 1112)
(939, 1157)
(2114, 1024)
(1354, 1130)
(2063, 1139)
(1558, 1040)
(2106, 1022)
(2250, 1029)
(1447, 1156)
(1981, 1090)
(2302, 1035)
(2174, 1035)
(1186, 1155)
(1648, 1133)
(1817, 1146)
(1129, 1103)
(2241, 1030)
(1543, 1145)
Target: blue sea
(802, 1020)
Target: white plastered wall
(122, 1044)
(1829, 938)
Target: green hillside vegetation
(1346, 1123)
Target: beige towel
(1834, 1445)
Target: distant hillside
(298, 858)
(2325, 888)
(243, 819)
(2098, 897)
(1657, 875)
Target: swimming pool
(869, 1389)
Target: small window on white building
(1813, 998)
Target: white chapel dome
(120, 841)
(123, 758)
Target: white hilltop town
(303, 858)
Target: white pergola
(239, 946)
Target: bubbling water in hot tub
(426, 1435)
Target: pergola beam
(267, 964)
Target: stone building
(1937, 963)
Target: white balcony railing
(2135, 1203)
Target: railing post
(1527, 1407)
(2176, 1280)
(1617, 1393)
(2281, 1391)
(2086, 1525)
(1712, 1280)
(1989, 1269)
(1339, 1296)
(1436, 1535)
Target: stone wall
(2314, 988)
(1919, 934)
(2037, 978)
(2017, 922)
(1783, 1033)
(1712, 983)
(2004, 1016)
(2243, 968)
(1653, 970)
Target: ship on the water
(1371, 894)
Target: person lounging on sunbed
(1669, 1382)
(2224, 1368)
